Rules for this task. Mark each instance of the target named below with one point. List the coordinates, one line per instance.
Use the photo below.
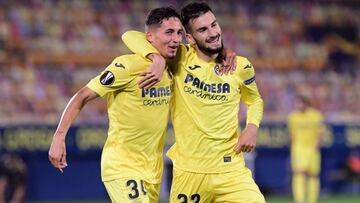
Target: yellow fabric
(137, 43)
(298, 187)
(132, 190)
(305, 128)
(232, 187)
(306, 162)
(137, 120)
(313, 189)
(205, 108)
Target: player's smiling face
(166, 38)
(206, 32)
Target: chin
(170, 56)
(216, 46)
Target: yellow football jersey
(305, 128)
(137, 120)
(205, 108)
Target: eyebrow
(175, 30)
(204, 27)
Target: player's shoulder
(128, 59)
(245, 69)
(294, 114)
(185, 50)
(316, 113)
(242, 63)
(241, 60)
(291, 116)
(133, 63)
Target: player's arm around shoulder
(136, 41)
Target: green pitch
(330, 199)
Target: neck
(205, 55)
(303, 109)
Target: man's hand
(247, 139)
(155, 72)
(228, 61)
(57, 152)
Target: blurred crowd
(296, 47)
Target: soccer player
(207, 154)
(306, 128)
(131, 162)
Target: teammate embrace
(207, 158)
(207, 154)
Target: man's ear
(150, 36)
(189, 39)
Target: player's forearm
(159, 61)
(72, 110)
(157, 58)
(255, 112)
(252, 128)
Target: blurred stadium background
(51, 48)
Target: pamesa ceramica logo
(156, 96)
(208, 91)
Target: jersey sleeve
(249, 93)
(115, 77)
(137, 43)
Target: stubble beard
(209, 50)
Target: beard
(209, 50)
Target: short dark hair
(192, 11)
(157, 15)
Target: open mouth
(213, 39)
(173, 47)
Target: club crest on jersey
(218, 70)
(107, 78)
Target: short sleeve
(115, 77)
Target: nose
(176, 38)
(213, 32)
